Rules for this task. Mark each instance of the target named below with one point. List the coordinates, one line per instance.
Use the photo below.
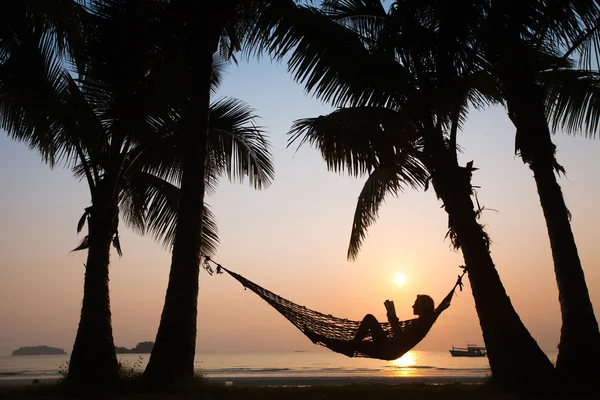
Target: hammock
(336, 333)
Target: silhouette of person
(406, 334)
(423, 308)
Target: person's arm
(391, 315)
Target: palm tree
(518, 40)
(539, 32)
(85, 122)
(60, 20)
(389, 84)
(132, 165)
(194, 32)
(56, 24)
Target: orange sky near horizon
(292, 238)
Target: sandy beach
(304, 381)
(347, 380)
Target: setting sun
(407, 360)
(400, 279)
(406, 365)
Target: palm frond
(365, 17)
(357, 139)
(133, 205)
(84, 244)
(63, 21)
(121, 80)
(377, 141)
(330, 60)
(33, 86)
(217, 73)
(117, 244)
(573, 25)
(83, 220)
(210, 232)
(573, 100)
(159, 157)
(237, 144)
(585, 44)
(388, 179)
(162, 203)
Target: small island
(140, 348)
(37, 351)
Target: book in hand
(391, 309)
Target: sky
(292, 237)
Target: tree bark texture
(93, 359)
(515, 358)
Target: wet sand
(306, 380)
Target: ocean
(231, 366)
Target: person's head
(423, 306)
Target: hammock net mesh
(332, 332)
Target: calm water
(292, 364)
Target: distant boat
(472, 350)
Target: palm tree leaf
(573, 25)
(381, 182)
(60, 19)
(573, 100)
(133, 205)
(85, 243)
(377, 141)
(82, 220)
(210, 232)
(217, 73)
(117, 244)
(162, 203)
(237, 145)
(161, 158)
(330, 60)
(124, 82)
(357, 139)
(33, 84)
(365, 17)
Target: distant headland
(140, 348)
(37, 351)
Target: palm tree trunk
(515, 358)
(579, 336)
(173, 354)
(93, 360)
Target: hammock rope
(333, 332)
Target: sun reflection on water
(404, 366)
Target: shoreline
(347, 380)
(303, 381)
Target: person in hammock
(406, 334)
